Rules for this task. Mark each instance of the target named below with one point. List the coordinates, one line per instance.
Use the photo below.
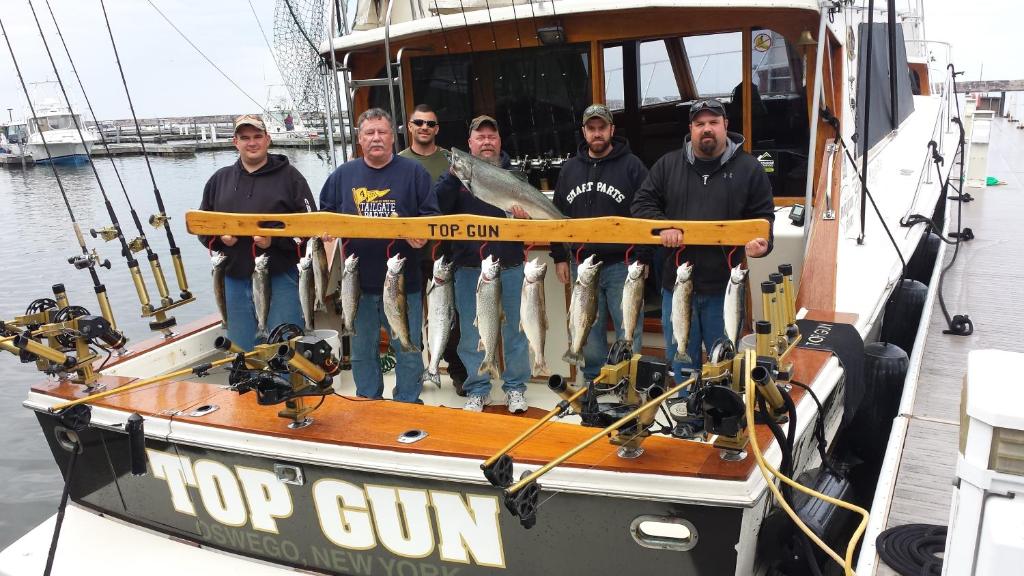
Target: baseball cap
(253, 120)
(597, 111)
(480, 120)
(710, 104)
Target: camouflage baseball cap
(480, 120)
(253, 120)
(597, 111)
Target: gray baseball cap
(597, 111)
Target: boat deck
(988, 275)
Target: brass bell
(806, 39)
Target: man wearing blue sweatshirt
(381, 184)
(454, 198)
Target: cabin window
(657, 80)
(614, 86)
(536, 94)
(716, 63)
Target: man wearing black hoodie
(710, 178)
(258, 183)
(600, 181)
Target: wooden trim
(472, 227)
(452, 432)
(680, 68)
(818, 277)
(748, 64)
(597, 71)
(922, 75)
(787, 200)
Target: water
(37, 240)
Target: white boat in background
(283, 119)
(56, 123)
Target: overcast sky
(168, 78)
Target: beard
(708, 146)
(599, 147)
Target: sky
(168, 78)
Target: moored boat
(360, 488)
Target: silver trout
(261, 293)
(735, 298)
(350, 293)
(440, 316)
(533, 314)
(396, 310)
(307, 290)
(489, 315)
(682, 295)
(582, 309)
(498, 187)
(632, 301)
(318, 255)
(219, 260)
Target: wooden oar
(469, 227)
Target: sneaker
(477, 403)
(516, 402)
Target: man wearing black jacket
(710, 178)
(258, 183)
(453, 198)
(600, 181)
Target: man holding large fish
(382, 184)
(710, 178)
(489, 276)
(254, 299)
(600, 181)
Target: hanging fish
(632, 300)
(318, 255)
(582, 309)
(440, 316)
(533, 314)
(682, 295)
(307, 290)
(219, 261)
(489, 315)
(735, 298)
(395, 307)
(261, 294)
(350, 293)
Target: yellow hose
(766, 469)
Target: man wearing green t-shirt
(422, 129)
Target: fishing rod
(141, 242)
(114, 231)
(88, 260)
(161, 219)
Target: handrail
(387, 70)
(472, 227)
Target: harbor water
(37, 240)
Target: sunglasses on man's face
(419, 122)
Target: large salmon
(682, 296)
(219, 260)
(261, 294)
(350, 293)
(735, 298)
(498, 187)
(632, 301)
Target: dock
(16, 160)
(917, 482)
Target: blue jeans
(284, 306)
(707, 325)
(517, 355)
(366, 344)
(611, 283)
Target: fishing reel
(158, 220)
(287, 371)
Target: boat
(346, 486)
(55, 122)
(282, 118)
